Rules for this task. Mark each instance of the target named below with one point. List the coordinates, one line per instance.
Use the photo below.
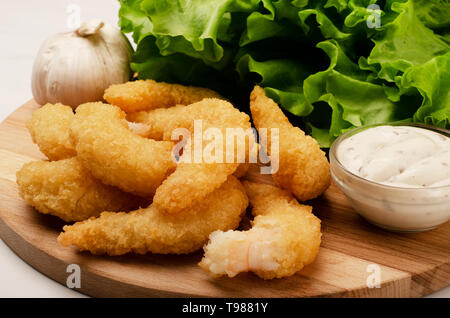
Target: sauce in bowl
(402, 156)
(396, 176)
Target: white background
(24, 26)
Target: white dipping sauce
(401, 156)
(410, 172)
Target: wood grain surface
(410, 265)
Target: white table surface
(24, 26)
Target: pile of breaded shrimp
(114, 176)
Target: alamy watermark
(374, 278)
(74, 278)
(73, 12)
(374, 20)
(227, 145)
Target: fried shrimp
(212, 112)
(49, 129)
(303, 168)
(67, 190)
(149, 230)
(241, 170)
(156, 120)
(189, 184)
(159, 123)
(284, 238)
(193, 180)
(115, 155)
(148, 94)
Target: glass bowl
(391, 207)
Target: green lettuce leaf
(191, 28)
(404, 43)
(286, 75)
(326, 62)
(432, 80)
(133, 19)
(353, 100)
(178, 68)
(435, 14)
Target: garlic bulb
(76, 67)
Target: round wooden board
(410, 265)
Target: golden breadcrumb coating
(148, 94)
(303, 167)
(153, 124)
(192, 180)
(241, 170)
(149, 230)
(67, 190)
(212, 112)
(285, 236)
(189, 184)
(115, 155)
(157, 119)
(49, 129)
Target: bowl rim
(356, 130)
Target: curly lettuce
(333, 64)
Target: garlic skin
(76, 67)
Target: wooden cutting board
(353, 251)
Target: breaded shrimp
(156, 120)
(212, 112)
(148, 94)
(191, 183)
(159, 123)
(241, 170)
(192, 180)
(116, 156)
(149, 230)
(284, 238)
(49, 129)
(303, 168)
(67, 190)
